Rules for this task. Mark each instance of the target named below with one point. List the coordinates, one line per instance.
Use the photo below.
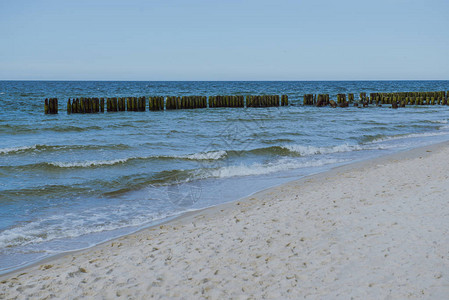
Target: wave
(42, 148)
(383, 138)
(312, 150)
(16, 149)
(84, 164)
(440, 121)
(70, 225)
(70, 128)
(263, 169)
(211, 155)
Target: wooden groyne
(400, 99)
(51, 106)
(262, 101)
(226, 101)
(158, 103)
(409, 98)
(284, 100)
(85, 105)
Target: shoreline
(225, 210)
(194, 212)
(348, 166)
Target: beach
(370, 230)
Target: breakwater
(157, 103)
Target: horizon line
(265, 80)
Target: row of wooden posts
(395, 99)
(96, 105)
(51, 106)
(409, 98)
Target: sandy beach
(371, 230)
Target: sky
(224, 40)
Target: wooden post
(46, 107)
(82, 105)
(51, 105)
(69, 107)
(283, 100)
(351, 98)
(168, 103)
(92, 105)
(97, 105)
(151, 103)
(211, 104)
(89, 105)
(119, 103)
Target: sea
(72, 181)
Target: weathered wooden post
(69, 107)
(351, 98)
(92, 105)
(139, 104)
(46, 106)
(82, 105)
(76, 105)
(72, 105)
(119, 103)
(151, 103)
(51, 104)
(211, 101)
(169, 104)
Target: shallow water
(71, 181)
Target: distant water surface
(72, 181)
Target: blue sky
(224, 40)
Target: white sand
(373, 230)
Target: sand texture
(373, 230)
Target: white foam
(312, 150)
(261, 169)
(16, 149)
(412, 135)
(72, 225)
(212, 155)
(440, 121)
(83, 164)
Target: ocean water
(72, 181)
